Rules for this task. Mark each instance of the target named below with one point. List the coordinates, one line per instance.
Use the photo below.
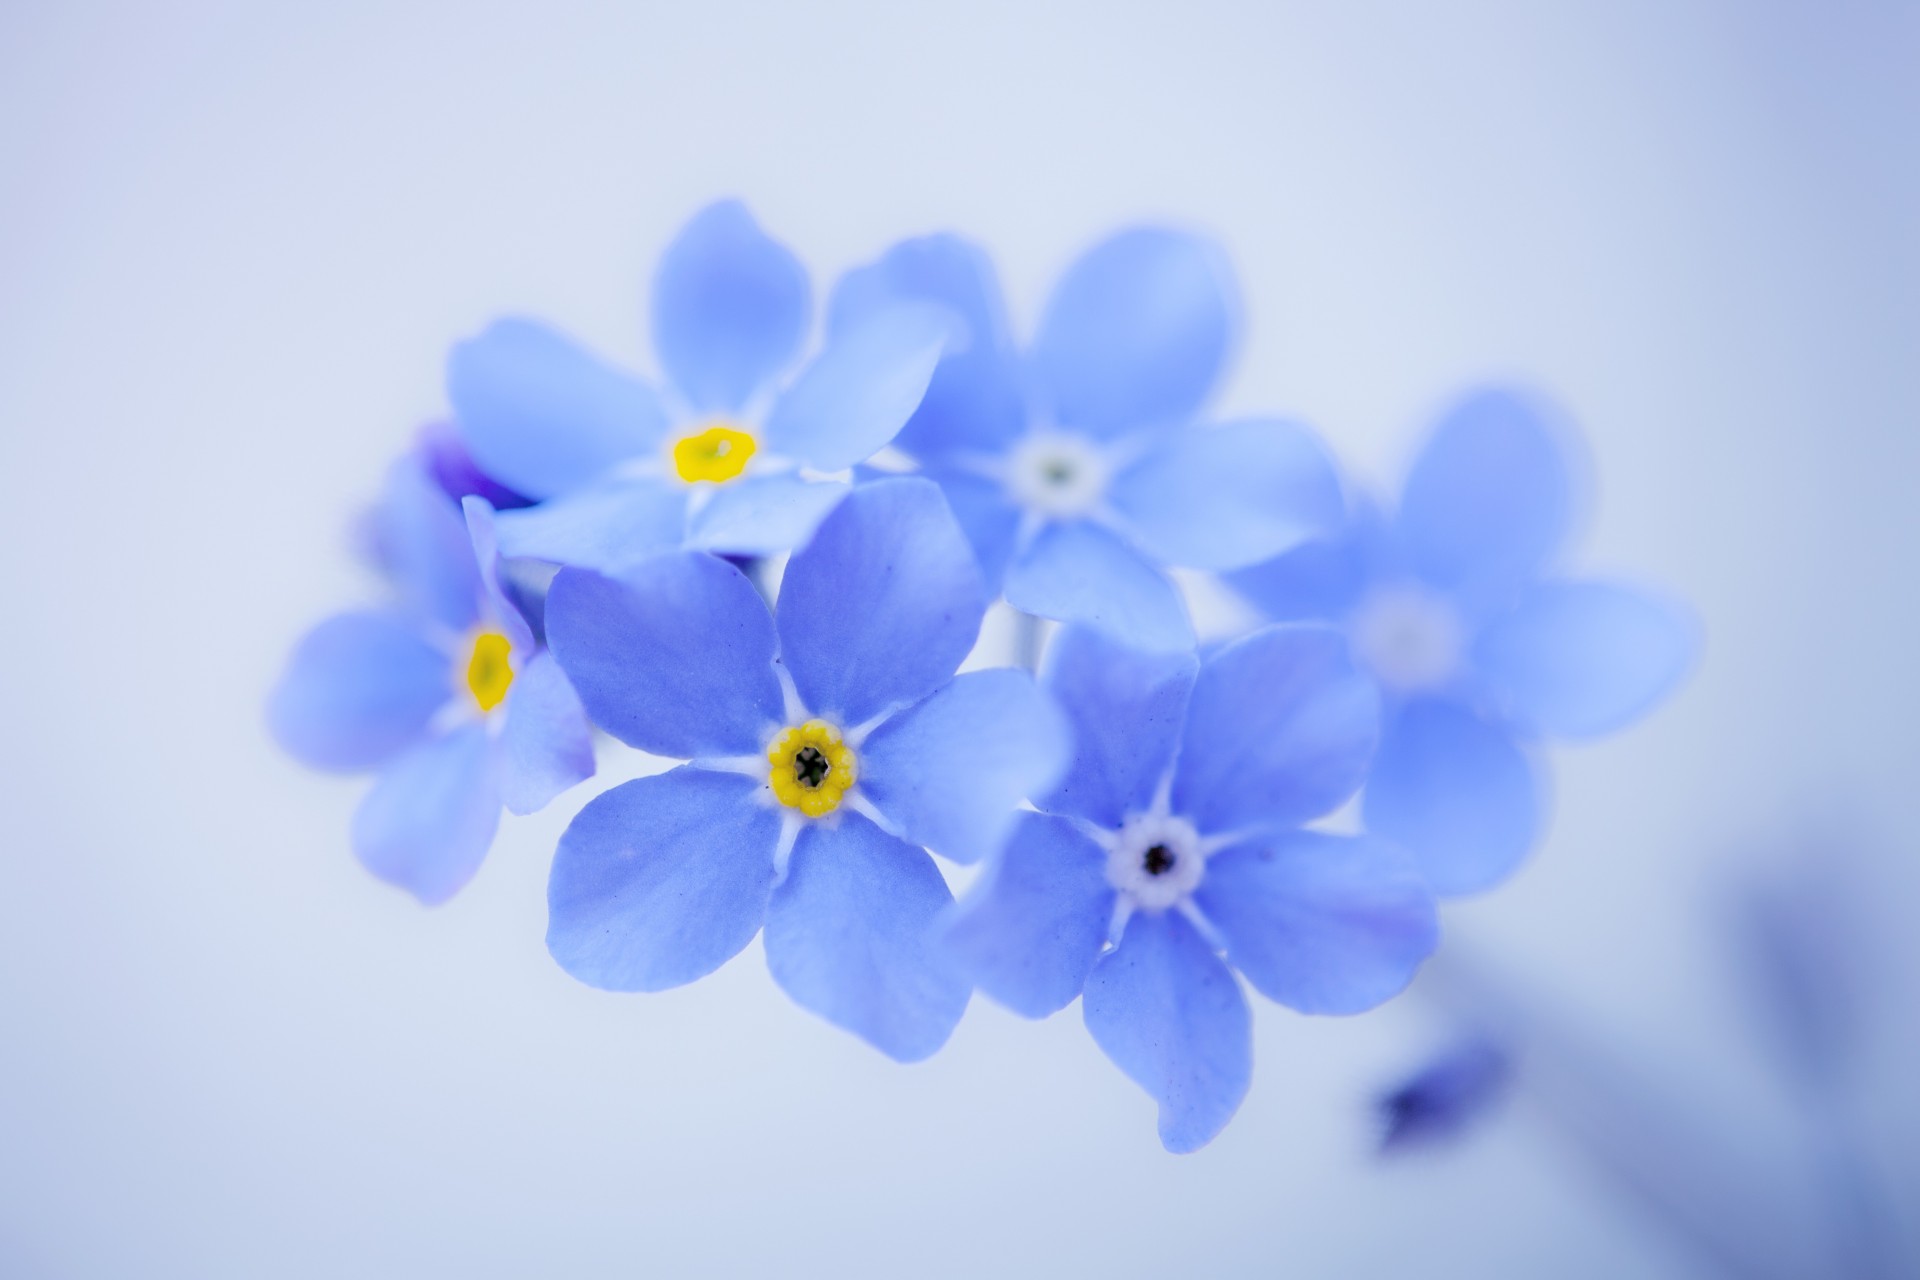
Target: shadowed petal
(424, 548)
(1457, 793)
(880, 607)
(661, 880)
(1136, 332)
(1219, 498)
(730, 308)
(848, 937)
(676, 658)
(430, 818)
(541, 414)
(763, 515)
(546, 742)
(1321, 923)
(949, 771)
(1030, 929)
(1171, 1016)
(1580, 659)
(1081, 573)
(974, 403)
(1280, 731)
(358, 688)
(860, 390)
(1126, 708)
(1489, 499)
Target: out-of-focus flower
(1174, 837)
(1453, 607)
(831, 746)
(622, 470)
(1447, 1096)
(447, 694)
(1072, 466)
(451, 466)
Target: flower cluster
(1154, 819)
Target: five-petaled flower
(623, 471)
(447, 693)
(1173, 837)
(1453, 609)
(831, 745)
(1074, 467)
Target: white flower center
(1057, 474)
(1409, 637)
(1155, 860)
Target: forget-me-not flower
(718, 461)
(831, 746)
(447, 694)
(1175, 837)
(1074, 466)
(1453, 608)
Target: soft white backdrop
(234, 245)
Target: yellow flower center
(488, 671)
(811, 768)
(718, 454)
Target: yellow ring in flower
(717, 454)
(489, 673)
(810, 768)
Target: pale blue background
(233, 247)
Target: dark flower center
(1159, 860)
(1057, 472)
(810, 766)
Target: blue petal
(849, 937)
(1030, 929)
(1455, 792)
(1580, 659)
(974, 403)
(1321, 580)
(860, 390)
(949, 771)
(483, 549)
(607, 527)
(358, 688)
(430, 818)
(1081, 573)
(730, 308)
(1280, 731)
(547, 744)
(661, 880)
(1136, 332)
(1171, 1016)
(1321, 923)
(543, 415)
(763, 515)
(449, 463)
(1489, 499)
(1219, 498)
(1126, 709)
(879, 609)
(424, 548)
(991, 523)
(675, 659)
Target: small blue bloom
(1073, 466)
(1173, 838)
(447, 694)
(1447, 1096)
(719, 462)
(1481, 649)
(831, 745)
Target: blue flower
(1073, 467)
(1480, 648)
(447, 694)
(623, 471)
(1449, 1094)
(1174, 837)
(831, 746)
